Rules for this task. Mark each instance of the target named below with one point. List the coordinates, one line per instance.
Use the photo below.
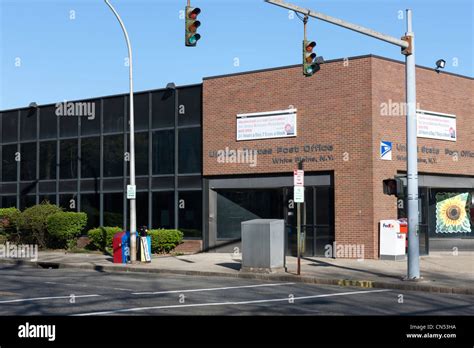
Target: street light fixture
(133, 214)
(440, 64)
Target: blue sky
(45, 56)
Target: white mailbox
(392, 240)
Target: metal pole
(133, 216)
(341, 23)
(412, 158)
(298, 238)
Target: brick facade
(340, 107)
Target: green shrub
(9, 219)
(66, 226)
(163, 241)
(35, 221)
(101, 237)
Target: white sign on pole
(298, 194)
(298, 177)
(435, 125)
(131, 191)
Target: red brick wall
(340, 106)
(435, 92)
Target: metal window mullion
(150, 161)
(37, 154)
(1, 151)
(101, 164)
(176, 160)
(58, 159)
(79, 163)
(18, 163)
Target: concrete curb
(403, 285)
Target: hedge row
(45, 224)
(162, 241)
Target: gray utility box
(263, 245)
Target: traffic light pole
(133, 215)
(407, 44)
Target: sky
(57, 50)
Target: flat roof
(333, 61)
(243, 73)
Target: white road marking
(286, 299)
(209, 289)
(46, 298)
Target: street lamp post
(133, 216)
(407, 44)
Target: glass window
(9, 127)
(113, 209)
(90, 117)
(189, 106)
(68, 126)
(8, 201)
(163, 109)
(141, 154)
(141, 111)
(163, 211)
(190, 213)
(28, 124)
(189, 150)
(90, 204)
(90, 157)
(48, 125)
(49, 198)
(324, 206)
(163, 152)
(68, 202)
(28, 161)
(27, 201)
(114, 114)
(235, 206)
(47, 160)
(68, 159)
(113, 155)
(9, 165)
(142, 209)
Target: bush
(9, 219)
(101, 237)
(163, 241)
(66, 226)
(35, 221)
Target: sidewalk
(441, 271)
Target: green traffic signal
(310, 61)
(191, 26)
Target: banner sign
(452, 212)
(436, 125)
(266, 125)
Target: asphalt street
(26, 290)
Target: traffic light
(192, 24)
(393, 187)
(311, 63)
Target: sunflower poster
(452, 213)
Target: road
(26, 290)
